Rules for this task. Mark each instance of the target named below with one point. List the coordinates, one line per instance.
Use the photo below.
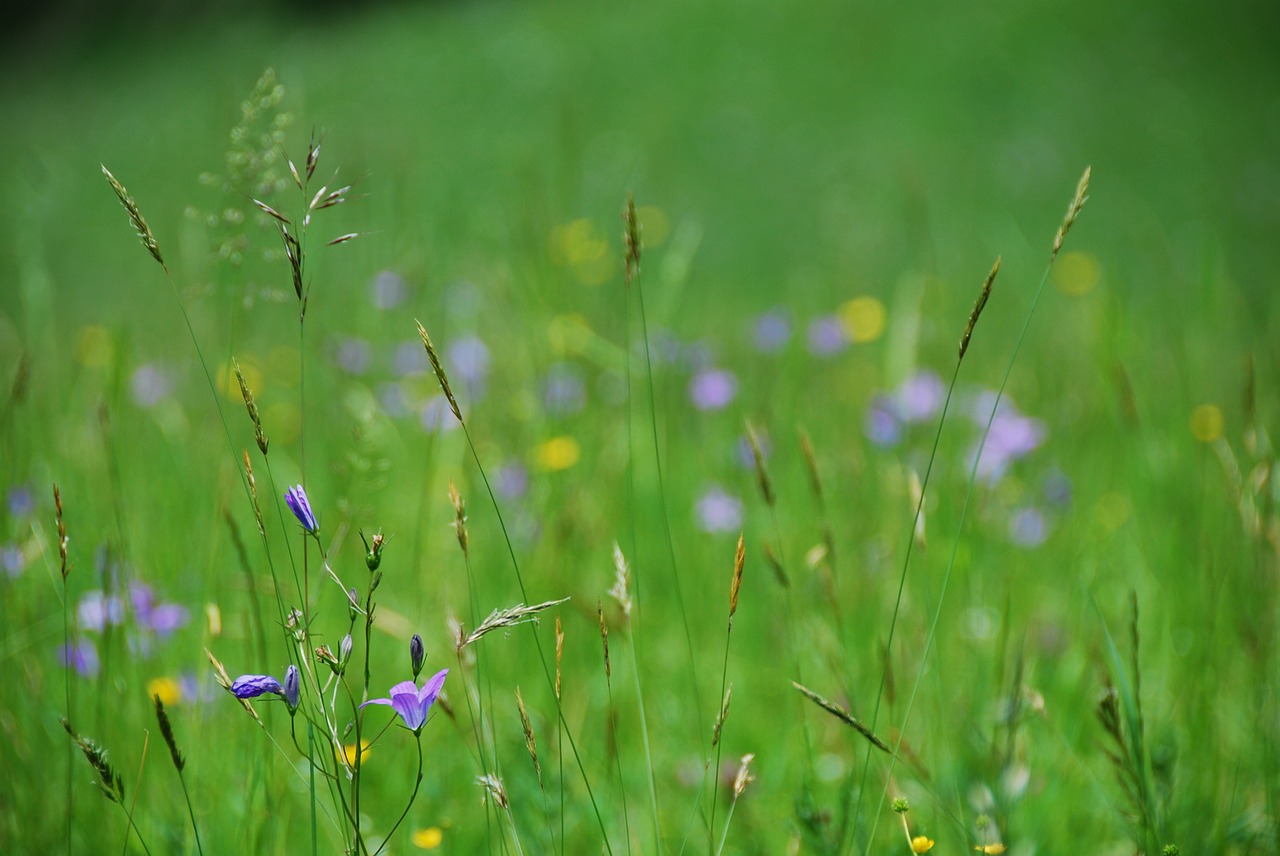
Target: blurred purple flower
(437, 415)
(296, 498)
(388, 290)
(884, 425)
(771, 331)
(353, 355)
(713, 389)
(511, 481)
(96, 610)
(21, 501)
(141, 599)
(410, 358)
(412, 703)
(468, 361)
(12, 560)
(166, 618)
(150, 385)
(81, 655)
(393, 399)
(664, 347)
(920, 396)
(827, 336)
(563, 390)
(1028, 528)
(1057, 490)
(718, 511)
(252, 686)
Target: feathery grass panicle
(1073, 211)
(621, 591)
(459, 516)
(439, 371)
(739, 560)
(843, 715)
(135, 217)
(495, 789)
(252, 407)
(109, 780)
(762, 474)
(721, 717)
(509, 617)
(529, 743)
(631, 240)
(62, 532)
(978, 307)
(604, 640)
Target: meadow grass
(748, 587)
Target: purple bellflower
(412, 703)
(252, 686)
(296, 499)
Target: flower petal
(252, 686)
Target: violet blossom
(412, 703)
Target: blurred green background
(784, 155)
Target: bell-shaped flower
(296, 498)
(252, 686)
(412, 703)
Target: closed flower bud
(291, 687)
(353, 605)
(344, 652)
(373, 550)
(417, 654)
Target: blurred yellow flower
(349, 753)
(1206, 423)
(862, 319)
(93, 347)
(921, 844)
(579, 246)
(558, 453)
(990, 848)
(1075, 273)
(167, 688)
(429, 838)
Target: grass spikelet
(621, 591)
(509, 617)
(762, 474)
(631, 240)
(559, 654)
(604, 640)
(1073, 211)
(109, 779)
(843, 715)
(459, 516)
(744, 776)
(135, 216)
(529, 742)
(775, 564)
(495, 789)
(739, 560)
(253, 493)
(721, 717)
(62, 532)
(166, 731)
(810, 464)
(978, 307)
(439, 371)
(252, 407)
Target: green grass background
(803, 154)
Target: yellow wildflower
(168, 689)
(921, 844)
(862, 319)
(558, 453)
(429, 838)
(348, 753)
(1206, 423)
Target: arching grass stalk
(66, 649)
(735, 586)
(613, 722)
(443, 379)
(1073, 211)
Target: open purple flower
(252, 686)
(412, 703)
(296, 498)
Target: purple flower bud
(344, 651)
(296, 499)
(252, 686)
(417, 654)
(291, 686)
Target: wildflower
(468, 360)
(344, 652)
(21, 501)
(12, 560)
(292, 682)
(884, 423)
(372, 556)
(827, 336)
(353, 356)
(771, 331)
(921, 844)
(563, 390)
(428, 839)
(437, 415)
(348, 753)
(511, 480)
(81, 656)
(713, 389)
(169, 690)
(920, 396)
(412, 703)
(409, 359)
(558, 453)
(990, 848)
(1028, 528)
(417, 655)
(252, 686)
(150, 385)
(296, 498)
(863, 318)
(1206, 423)
(388, 290)
(718, 511)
